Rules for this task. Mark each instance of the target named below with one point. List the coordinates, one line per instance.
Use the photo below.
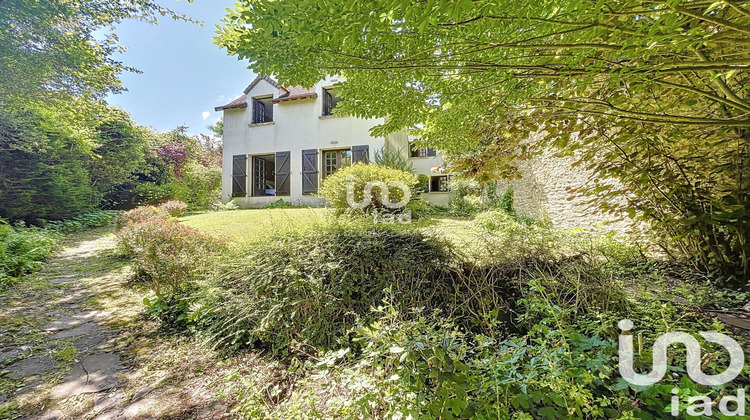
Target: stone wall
(544, 193)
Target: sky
(185, 75)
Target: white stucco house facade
(280, 143)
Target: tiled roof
(240, 102)
(287, 94)
(294, 93)
(258, 79)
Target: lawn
(244, 226)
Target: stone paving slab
(84, 329)
(31, 366)
(67, 322)
(64, 280)
(92, 374)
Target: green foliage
(335, 186)
(466, 197)
(229, 206)
(395, 159)
(650, 97)
(76, 57)
(200, 185)
(279, 204)
(22, 250)
(311, 287)
(84, 221)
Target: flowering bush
(174, 208)
(166, 252)
(140, 214)
(174, 155)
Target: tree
(53, 47)
(655, 84)
(217, 128)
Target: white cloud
(205, 115)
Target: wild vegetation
(495, 317)
(650, 96)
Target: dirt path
(75, 343)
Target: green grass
(242, 226)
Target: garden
(490, 315)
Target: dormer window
(262, 110)
(330, 100)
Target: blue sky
(185, 75)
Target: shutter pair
(239, 174)
(309, 170)
(310, 166)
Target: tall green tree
(653, 93)
(61, 46)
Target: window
(262, 110)
(415, 152)
(439, 183)
(330, 100)
(333, 160)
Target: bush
(151, 193)
(174, 208)
(22, 250)
(166, 253)
(395, 159)
(229, 206)
(140, 214)
(199, 186)
(355, 177)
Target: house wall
(297, 125)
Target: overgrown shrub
(314, 286)
(22, 250)
(229, 206)
(174, 208)
(395, 159)
(355, 177)
(140, 214)
(199, 186)
(166, 253)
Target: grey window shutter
(239, 175)
(361, 154)
(309, 171)
(282, 173)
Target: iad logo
(694, 371)
(385, 198)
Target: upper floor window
(262, 110)
(415, 152)
(330, 100)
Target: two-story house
(281, 142)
